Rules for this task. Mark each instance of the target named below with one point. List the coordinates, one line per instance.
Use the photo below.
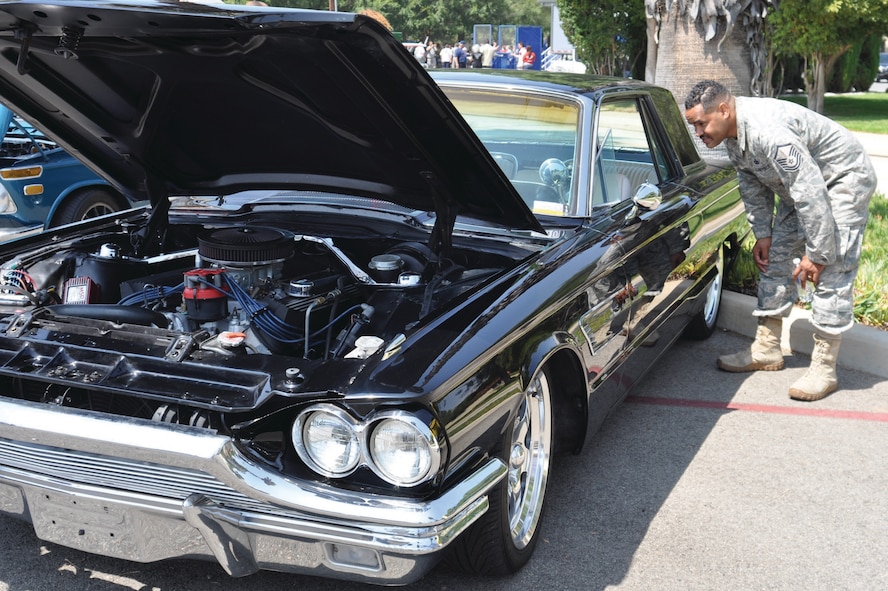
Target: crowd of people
(485, 55)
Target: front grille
(127, 475)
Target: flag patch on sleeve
(788, 158)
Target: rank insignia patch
(788, 158)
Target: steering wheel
(557, 173)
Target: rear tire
(504, 538)
(85, 205)
(703, 324)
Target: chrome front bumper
(147, 491)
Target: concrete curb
(864, 348)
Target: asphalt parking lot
(701, 480)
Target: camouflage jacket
(816, 167)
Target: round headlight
(326, 440)
(403, 450)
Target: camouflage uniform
(824, 181)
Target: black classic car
(348, 334)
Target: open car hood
(170, 98)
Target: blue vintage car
(42, 185)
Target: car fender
(473, 389)
(547, 345)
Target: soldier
(824, 181)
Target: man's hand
(760, 253)
(807, 271)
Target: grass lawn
(858, 111)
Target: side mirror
(647, 197)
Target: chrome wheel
(99, 209)
(504, 538)
(702, 325)
(713, 300)
(529, 458)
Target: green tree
(821, 31)
(857, 67)
(442, 20)
(609, 35)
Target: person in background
(488, 51)
(446, 55)
(419, 52)
(431, 56)
(529, 58)
(824, 181)
(476, 56)
(460, 55)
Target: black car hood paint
(167, 98)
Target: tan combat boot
(821, 379)
(764, 354)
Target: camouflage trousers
(832, 308)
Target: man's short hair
(708, 93)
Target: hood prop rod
(24, 33)
(154, 230)
(441, 237)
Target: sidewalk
(864, 348)
(876, 145)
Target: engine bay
(222, 318)
(244, 290)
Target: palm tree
(690, 40)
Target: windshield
(533, 139)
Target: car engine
(242, 290)
(220, 321)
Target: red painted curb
(879, 417)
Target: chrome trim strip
(203, 452)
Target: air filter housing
(245, 246)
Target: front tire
(85, 205)
(504, 538)
(703, 324)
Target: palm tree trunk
(684, 57)
(650, 66)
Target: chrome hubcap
(713, 297)
(529, 461)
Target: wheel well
(570, 412)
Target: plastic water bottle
(806, 294)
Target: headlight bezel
(304, 449)
(433, 447)
(428, 440)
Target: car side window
(626, 156)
